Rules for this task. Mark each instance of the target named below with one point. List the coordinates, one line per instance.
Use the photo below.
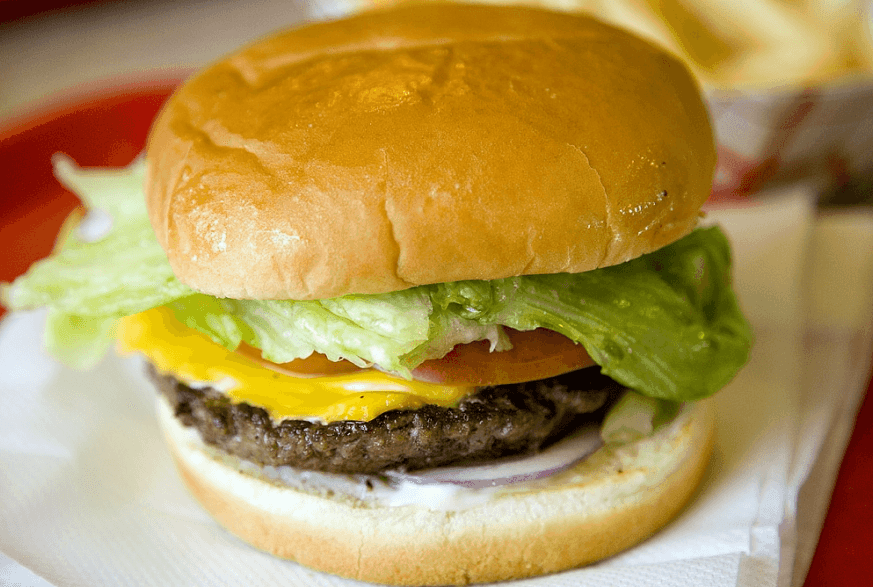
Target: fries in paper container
(789, 82)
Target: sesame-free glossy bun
(423, 144)
(603, 505)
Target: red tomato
(535, 354)
(315, 365)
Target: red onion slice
(556, 458)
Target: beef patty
(492, 422)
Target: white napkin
(89, 496)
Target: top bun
(423, 144)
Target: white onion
(554, 459)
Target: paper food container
(822, 134)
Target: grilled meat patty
(492, 422)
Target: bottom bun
(601, 506)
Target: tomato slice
(535, 354)
(315, 365)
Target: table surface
(106, 124)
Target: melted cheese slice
(194, 359)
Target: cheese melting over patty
(195, 360)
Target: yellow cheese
(194, 358)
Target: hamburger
(422, 291)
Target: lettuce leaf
(636, 416)
(78, 341)
(666, 324)
(115, 274)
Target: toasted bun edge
(603, 506)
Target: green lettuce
(124, 272)
(666, 324)
(636, 416)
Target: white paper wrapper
(89, 496)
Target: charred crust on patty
(492, 422)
